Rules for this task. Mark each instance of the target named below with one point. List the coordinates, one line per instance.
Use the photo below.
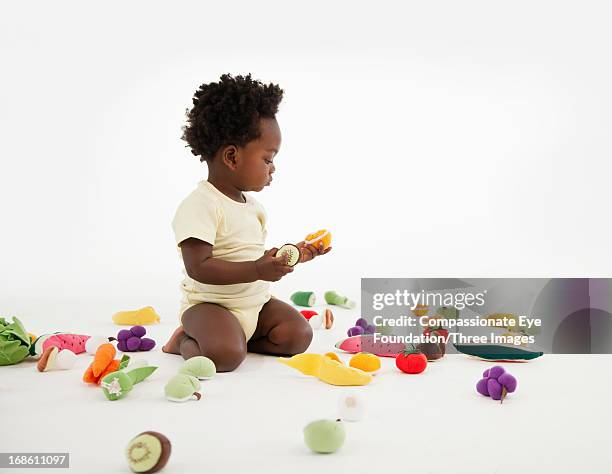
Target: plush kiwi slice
(148, 452)
(293, 251)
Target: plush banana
(327, 370)
(139, 317)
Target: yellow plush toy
(327, 369)
(322, 235)
(139, 317)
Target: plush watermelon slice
(62, 340)
(365, 343)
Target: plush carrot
(104, 355)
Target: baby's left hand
(308, 252)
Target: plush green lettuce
(14, 342)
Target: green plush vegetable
(199, 367)
(14, 342)
(117, 385)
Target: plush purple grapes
(146, 344)
(361, 322)
(133, 344)
(121, 345)
(370, 329)
(138, 331)
(496, 383)
(124, 335)
(355, 331)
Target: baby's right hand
(271, 268)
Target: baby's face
(256, 164)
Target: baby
(227, 308)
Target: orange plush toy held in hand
(315, 238)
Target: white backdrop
(431, 138)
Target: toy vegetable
(148, 452)
(304, 298)
(327, 370)
(54, 359)
(103, 364)
(411, 362)
(331, 297)
(199, 367)
(14, 342)
(117, 385)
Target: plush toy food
(14, 342)
(148, 452)
(498, 352)
(351, 407)
(54, 359)
(327, 370)
(132, 340)
(199, 367)
(117, 385)
(304, 298)
(316, 321)
(411, 362)
(361, 327)
(182, 387)
(292, 252)
(432, 350)
(328, 318)
(103, 364)
(324, 436)
(331, 297)
(307, 313)
(318, 237)
(496, 383)
(367, 362)
(367, 343)
(142, 316)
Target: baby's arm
(201, 266)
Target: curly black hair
(228, 112)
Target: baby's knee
(294, 337)
(226, 357)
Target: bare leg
(281, 330)
(212, 331)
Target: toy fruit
(420, 310)
(308, 313)
(148, 452)
(54, 359)
(355, 331)
(331, 297)
(367, 343)
(317, 237)
(77, 343)
(327, 370)
(199, 367)
(350, 407)
(132, 340)
(146, 315)
(496, 383)
(324, 436)
(292, 252)
(411, 362)
(366, 362)
(182, 387)
(304, 298)
(333, 356)
(328, 318)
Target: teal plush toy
(199, 367)
(117, 385)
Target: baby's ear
(230, 157)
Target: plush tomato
(411, 362)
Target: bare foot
(173, 346)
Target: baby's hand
(272, 268)
(308, 252)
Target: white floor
(251, 420)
